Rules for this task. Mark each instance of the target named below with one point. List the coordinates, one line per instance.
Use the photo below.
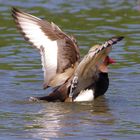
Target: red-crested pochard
(73, 79)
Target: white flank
(86, 95)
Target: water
(112, 117)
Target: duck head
(106, 62)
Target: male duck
(73, 80)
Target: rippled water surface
(116, 116)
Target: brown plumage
(59, 52)
(61, 60)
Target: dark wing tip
(114, 40)
(15, 12)
(14, 9)
(119, 38)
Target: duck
(71, 78)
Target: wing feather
(88, 70)
(95, 57)
(45, 37)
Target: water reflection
(59, 120)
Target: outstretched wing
(95, 57)
(59, 52)
(88, 69)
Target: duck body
(94, 90)
(89, 93)
(71, 78)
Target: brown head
(104, 66)
(106, 59)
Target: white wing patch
(33, 32)
(38, 38)
(48, 48)
(49, 65)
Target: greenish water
(112, 117)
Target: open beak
(111, 61)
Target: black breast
(102, 84)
